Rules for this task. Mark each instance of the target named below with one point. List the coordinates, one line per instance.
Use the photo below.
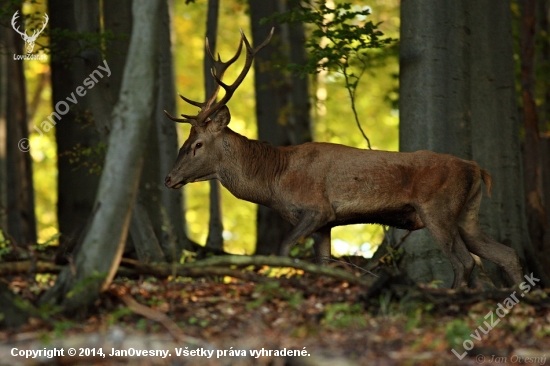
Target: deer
(316, 185)
(29, 40)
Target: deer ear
(221, 119)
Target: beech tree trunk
(457, 96)
(171, 200)
(435, 119)
(76, 187)
(97, 261)
(215, 225)
(21, 222)
(282, 103)
(543, 83)
(531, 147)
(3, 136)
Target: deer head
(29, 40)
(197, 157)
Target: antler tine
(196, 104)
(250, 53)
(220, 67)
(262, 45)
(180, 120)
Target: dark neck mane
(250, 167)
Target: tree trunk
(436, 118)
(3, 134)
(457, 96)
(76, 187)
(171, 200)
(97, 261)
(118, 20)
(544, 121)
(15, 311)
(215, 224)
(495, 130)
(282, 103)
(21, 222)
(144, 238)
(531, 146)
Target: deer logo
(29, 40)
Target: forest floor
(320, 320)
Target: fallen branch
(262, 260)
(186, 270)
(214, 266)
(22, 267)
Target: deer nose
(167, 181)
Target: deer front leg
(308, 224)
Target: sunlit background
(332, 121)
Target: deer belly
(405, 218)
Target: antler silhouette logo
(29, 40)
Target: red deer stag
(316, 186)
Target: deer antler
(210, 106)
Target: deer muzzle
(169, 182)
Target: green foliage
(79, 41)
(340, 42)
(304, 249)
(456, 332)
(201, 322)
(416, 316)
(4, 245)
(141, 324)
(269, 291)
(51, 241)
(86, 283)
(341, 39)
(116, 315)
(60, 327)
(344, 315)
(90, 158)
(187, 256)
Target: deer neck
(250, 169)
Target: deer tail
(486, 177)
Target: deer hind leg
(446, 234)
(322, 246)
(482, 245)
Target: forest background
(471, 85)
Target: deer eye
(199, 144)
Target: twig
(397, 245)
(352, 99)
(159, 317)
(354, 265)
